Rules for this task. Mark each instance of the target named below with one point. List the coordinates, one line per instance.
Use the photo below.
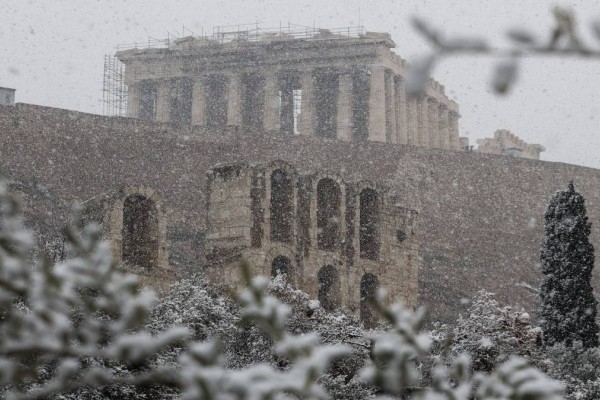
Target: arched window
(369, 224)
(369, 284)
(328, 214)
(282, 266)
(329, 288)
(282, 207)
(140, 232)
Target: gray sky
(52, 52)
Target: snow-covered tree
(490, 334)
(568, 305)
(577, 367)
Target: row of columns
(393, 117)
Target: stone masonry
(350, 229)
(480, 216)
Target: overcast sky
(53, 51)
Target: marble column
(454, 134)
(433, 110)
(133, 100)
(444, 127)
(163, 101)
(412, 121)
(344, 107)
(401, 111)
(390, 108)
(377, 131)
(199, 102)
(234, 100)
(271, 106)
(307, 104)
(422, 122)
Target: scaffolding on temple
(114, 91)
(248, 32)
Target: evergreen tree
(568, 308)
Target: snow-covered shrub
(55, 319)
(490, 334)
(578, 367)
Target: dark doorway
(360, 105)
(140, 232)
(181, 100)
(369, 284)
(282, 206)
(282, 266)
(216, 100)
(326, 90)
(148, 100)
(253, 99)
(328, 214)
(369, 224)
(329, 288)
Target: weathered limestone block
(271, 107)
(133, 100)
(444, 127)
(377, 131)
(422, 122)
(234, 100)
(433, 125)
(199, 102)
(401, 109)
(163, 102)
(344, 107)
(412, 121)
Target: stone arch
(329, 217)
(328, 280)
(370, 206)
(282, 265)
(281, 207)
(138, 228)
(369, 284)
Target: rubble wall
(480, 216)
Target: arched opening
(328, 214)
(329, 288)
(369, 284)
(282, 266)
(369, 224)
(140, 232)
(282, 206)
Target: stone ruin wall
(480, 215)
(242, 224)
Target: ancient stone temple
(507, 143)
(342, 85)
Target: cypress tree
(568, 305)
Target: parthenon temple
(338, 84)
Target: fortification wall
(480, 216)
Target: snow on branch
(562, 39)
